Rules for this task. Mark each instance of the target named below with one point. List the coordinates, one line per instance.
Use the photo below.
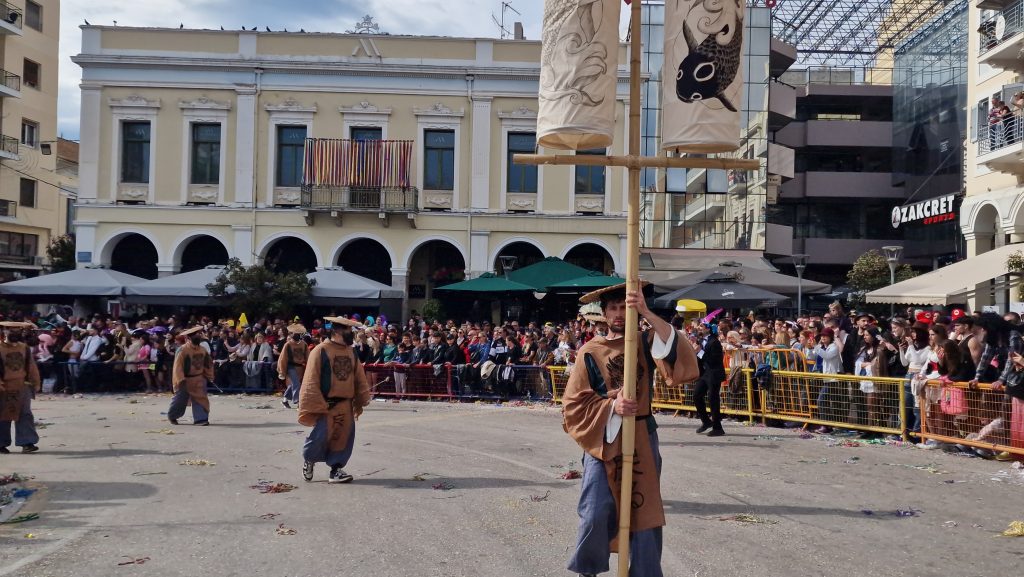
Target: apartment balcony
(704, 208)
(1001, 146)
(781, 105)
(782, 56)
(358, 176)
(8, 209)
(11, 19)
(8, 147)
(1002, 38)
(10, 84)
(34, 262)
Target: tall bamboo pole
(632, 284)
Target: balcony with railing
(358, 176)
(10, 84)
(838, 75)
(1001, 145)
(1002, 37)
(8, 147)
(8, 209)
(11, 19)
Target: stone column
(245, 142)
(165, 269)
(89, 155)
(243, 247)
(479, 248)
(481, 156)
(980, 243)
(399, 281)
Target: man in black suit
(709, 386)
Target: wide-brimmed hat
(486, 369)
(595, 318)
(343, 321)
(16, 325)
(868, 316)
(595, 296)
(190, 331)
(297, 328)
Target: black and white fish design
(709, 67)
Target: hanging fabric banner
(703, 51)
(578, 75)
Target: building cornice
(203, 103)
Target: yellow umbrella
(690, 306)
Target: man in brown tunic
(193, 369)
(592, 415)
(334, 392)
(19, 381)
(292, 364)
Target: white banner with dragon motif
(703, 77)
(579, 69)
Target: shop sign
(931, 211)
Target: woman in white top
(914, 352)
(831, 364)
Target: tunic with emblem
(334, 386)
(20, 379)
(193, 368)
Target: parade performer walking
(193, 369)
(20, 381)
(593, 411)
(291, 365)
(334, 392)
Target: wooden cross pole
(633, 162)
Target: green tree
(257, 290)
(61, 253)
(433, 310)
(871, 271)
(1015, 264)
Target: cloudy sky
(419, 17)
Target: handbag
(953, 401)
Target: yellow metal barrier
(559, 378)
(874, 404)
(736, 402)
(978, 417)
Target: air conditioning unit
(12, 17)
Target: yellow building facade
(992, 214)
(34, 199)
(194, 150)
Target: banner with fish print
(703, 50)
(578, 75)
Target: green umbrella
(488, 283)
(543, 274)
(592, 281)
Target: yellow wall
(156, 39)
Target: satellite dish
(1000, 27)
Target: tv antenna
(505, 7)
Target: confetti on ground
(41, 425)
(806, 435)
(259, 407)
(133, 402)
(867, 511)
(21, 519)
(443, 486)
(1016, 529)
(929, 468)
(767, 438)
(133, 560)
(30, 535)
(148, 473)
(282, 530)
(267, 487)
(198, 463)
(162, 432)
(23, 493)
(906, 512)
(269, 516)
(852, 460)
(539, 498)
(422, 476)
(570, 474)
(285, 451)
(951, 524)
(14, 478)
(748, 519)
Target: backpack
(506, 376)
(763, 376)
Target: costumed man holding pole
(593, 408)
(334, 393)
(292, 364)
(193, 369)
(19, 381)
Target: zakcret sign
(931, 211)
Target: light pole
(508, 264)
(800, 263)
(892, 256)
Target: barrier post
(903, 413)
(749, 377)
(448, 377)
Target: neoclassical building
(389, 156)
(992, 214)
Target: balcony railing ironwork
(8, 208)
(11, 14)
(10, 80)
(840, 75)
(9, 144)
(360, 175)
(1001, 26)
(1008, 132)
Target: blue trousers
(315, 450)
(291, 394)
(24, 428)
(599, 521)
(179, 402)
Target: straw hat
(297, 329)
(343, 321)
(16, 325)
(595, 318)
(595, 296)
(190, 331)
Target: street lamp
(508, 264)
(800, 263)
(892, 256)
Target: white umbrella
(83, 282)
